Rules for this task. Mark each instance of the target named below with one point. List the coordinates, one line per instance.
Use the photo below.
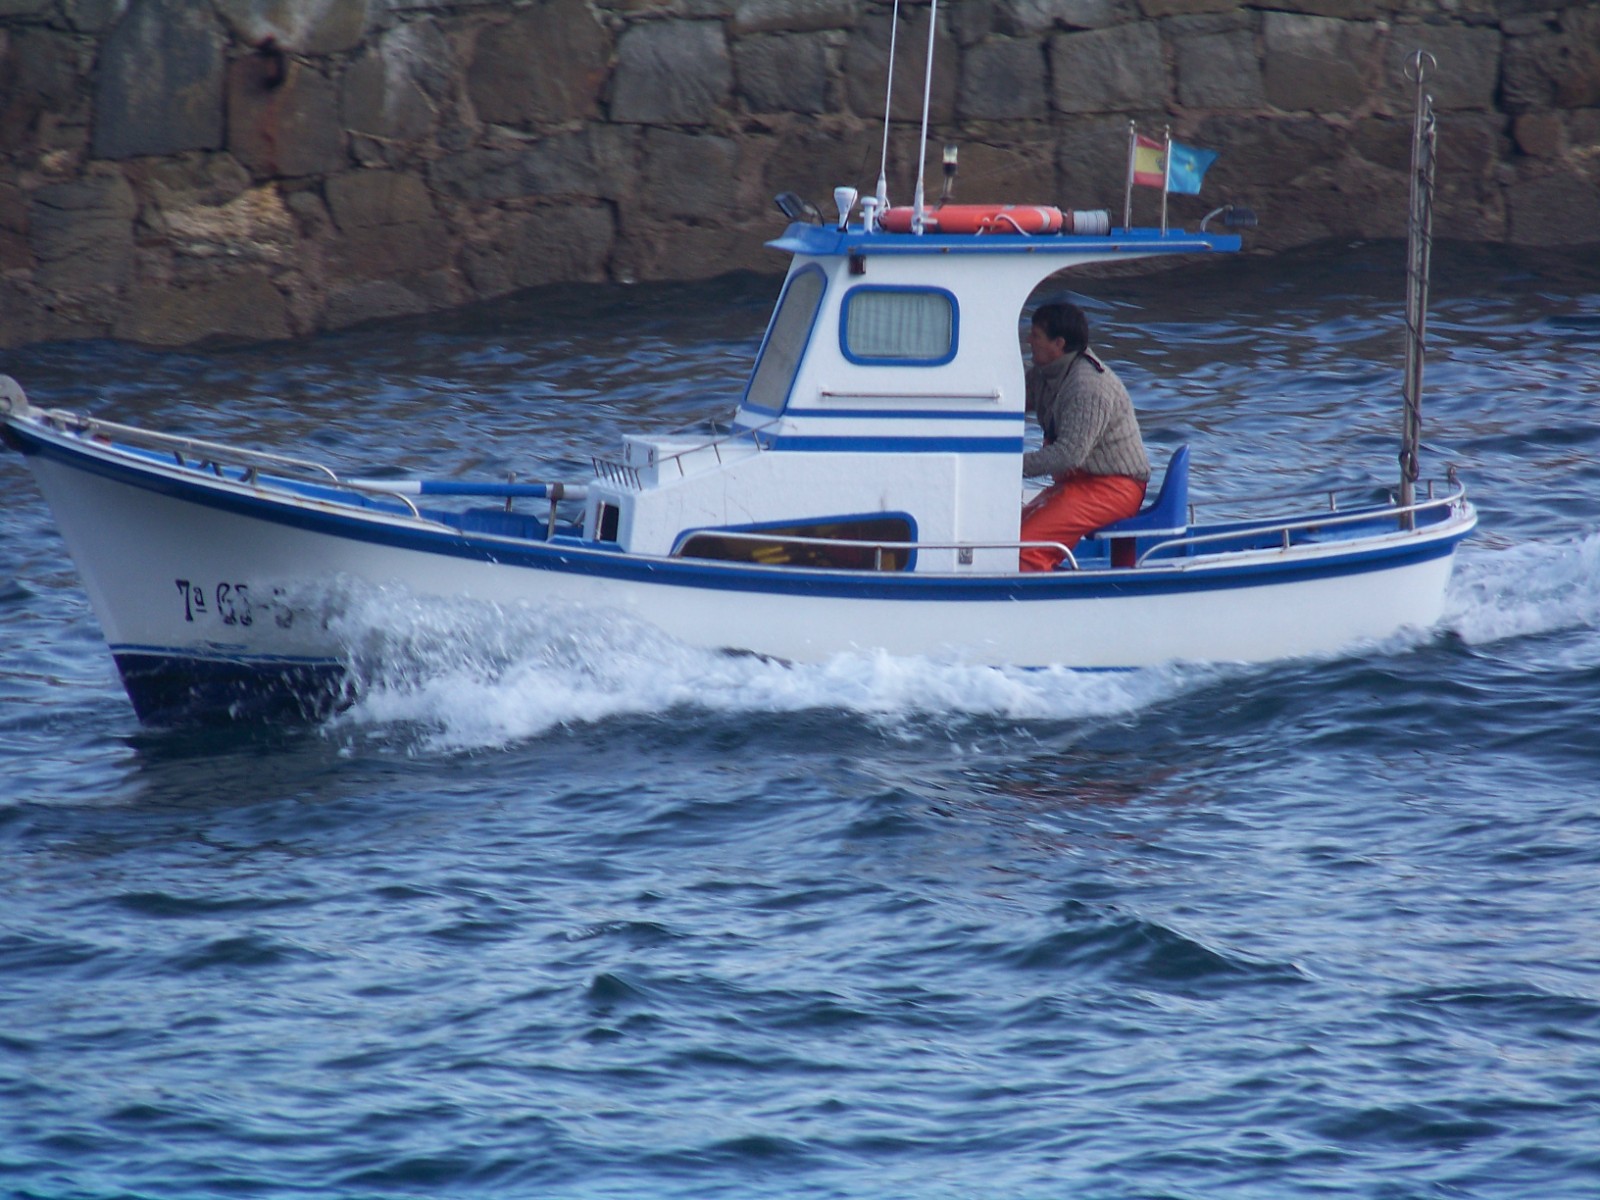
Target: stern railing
(1285, 530)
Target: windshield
(786, 341)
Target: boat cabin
(883, 424)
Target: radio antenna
(888, 97)
(922, 145)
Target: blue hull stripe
(871, 414)
(898, 445)
(904, 414)
(700, 574)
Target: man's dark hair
(1065, 321)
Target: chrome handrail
(1332, 494)
(716, 443)
(991, 395)
(861, 544)
(65, 419)
(1285, 528)
(215, 454)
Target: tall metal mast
(1419, 254)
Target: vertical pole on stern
(1166, 176)
(1127, 195)
(1419, 255)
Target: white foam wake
(476, 675)
(1526, 589)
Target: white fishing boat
(865, 495)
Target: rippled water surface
(563, 909)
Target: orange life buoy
(976, 218)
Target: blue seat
(1166, 516)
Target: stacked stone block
(172, 170)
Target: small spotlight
(796, 209)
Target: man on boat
(1091, 446)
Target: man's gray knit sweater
(1087, 419)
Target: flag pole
(1166, 178)
(1127, 199)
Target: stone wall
(177, 169)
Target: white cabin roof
(986, 280)
(889, 383)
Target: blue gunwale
(360, 521)
(906, 414)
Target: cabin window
(804, 544)
(786, 341)
(899, 326)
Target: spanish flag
(1149, 162)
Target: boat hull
(221, 597)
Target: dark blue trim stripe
(893, 414)
(907, 414)
(706, 574)
(898, 445)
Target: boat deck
(1343, 515)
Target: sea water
(563, 908)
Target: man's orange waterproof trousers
(1071, 507)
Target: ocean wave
(460, 675)
(1525, 589)
(472, 675)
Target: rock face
(172, 170)
(672, 73)
(158, 88)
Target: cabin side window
(786, 341)
(874, 542)
(898, 326)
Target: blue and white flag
(1186, 167)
